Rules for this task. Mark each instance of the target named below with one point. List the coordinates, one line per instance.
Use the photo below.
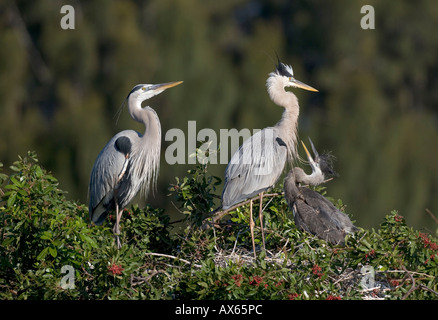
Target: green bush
(49, 250)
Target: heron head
(314, 163)
(146, 91)
(287, 74)
(321, 163)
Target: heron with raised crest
(258, 163)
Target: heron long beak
(309, 157)
(314, 150)
(164, 86)
(298, 84)
(312, 162)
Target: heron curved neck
(315, 178)
(289, 119)
(278, 94)
(288, 124)
(290, 186)
(152, 125)
(148, 117)
(146, 152)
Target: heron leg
(118, 217)
(251, 227)
(116, 228)
(261, 220)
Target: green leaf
(11, 199)
(47, 235)
(366, 243)
(88, 240)
(43, 254)
(14, 168)
(53, 252)
(38, 171)
(16, 182)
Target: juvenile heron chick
(312, 211)
(322, 167)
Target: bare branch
(219, 215)
(432, 215)
(172, 257)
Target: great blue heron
(129, 162)
(259, 161)
(312, 211)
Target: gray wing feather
(318, 216)
(331, 214)
(254, 167)
(106, 170)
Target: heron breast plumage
(254, 167)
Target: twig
(344, 277)
(172, 257)
(235, 242)
(411, 272)
(421, 286)
(177, 221)
(432, 215)
(219, 215)
(414, 287)
(266, 205)
(174, 205)
(140, 280)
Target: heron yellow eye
(143, 88)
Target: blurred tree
(379, 112)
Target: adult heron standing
(258, 163)
(129, 162)
(312, 211)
